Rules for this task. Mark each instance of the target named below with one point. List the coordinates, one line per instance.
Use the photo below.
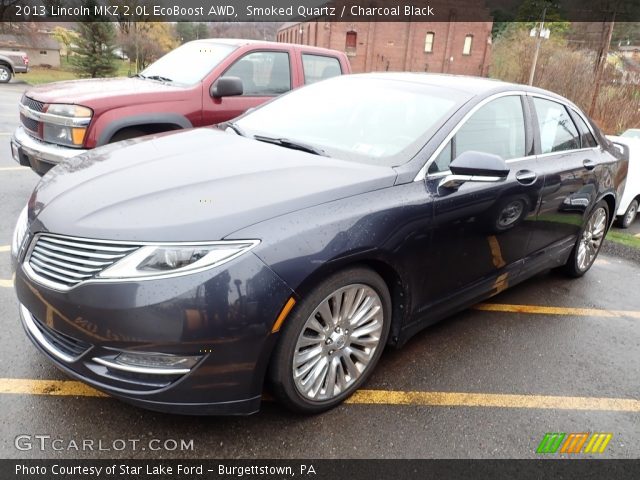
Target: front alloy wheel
(337, 342)
(331, 341)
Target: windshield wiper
(234, 126)
(157, 77)
(285, 142)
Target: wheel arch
(151, 123)
(398, 289)
(611, 203)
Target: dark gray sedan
(183, 272)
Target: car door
(481, 230)
(570, 162)
(265, 74)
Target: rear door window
(557, 131)
(586, 137)
(319, 67)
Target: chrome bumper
(38, 151)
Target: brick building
(443, 47)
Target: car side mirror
(226, 87)
(474, 166)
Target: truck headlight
(176, 259)
(19, 232)
(66, 124)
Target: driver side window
(262, 73)
(497, 128)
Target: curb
(628, 253)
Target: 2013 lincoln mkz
(186, 272)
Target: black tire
(5, 74)
(629, 216)
(572, 267)
(127, 134)
(280, 374)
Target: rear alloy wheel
(5, 74)
(332, 341)
(589, 241)
(629, 216)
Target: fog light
(14, 152)
(157, 360)
(150, 363)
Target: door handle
(589, 164)
(526, 177)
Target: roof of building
(29, 41)
(286, 25)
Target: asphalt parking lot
(550, 355)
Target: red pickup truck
(203, 82)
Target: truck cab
(201, 83)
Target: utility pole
(600, 64)
(537, 51)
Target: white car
(628, 208)
(631, 133)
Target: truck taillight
(25, 59)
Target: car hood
(196, 185)
(89, 92)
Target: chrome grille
(32, 104)
(67, 261)
(29, 123)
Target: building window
(351, 43)
(428, 42)
(43, 52)
(468, 41)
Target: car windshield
(188, 64)
(632, 133)
(363, 119)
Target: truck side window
(319, 67)
(262, 73)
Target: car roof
(241, 42)
(464, 83)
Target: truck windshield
(188, 64)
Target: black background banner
(551, 469)
(301, 10)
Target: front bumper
(223, 315)
(39, 155)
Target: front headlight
(73, 111)
(19, 232)
(176, 259)
(66, 124)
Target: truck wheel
(5, 74)
(126, 134)
(629, 216)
